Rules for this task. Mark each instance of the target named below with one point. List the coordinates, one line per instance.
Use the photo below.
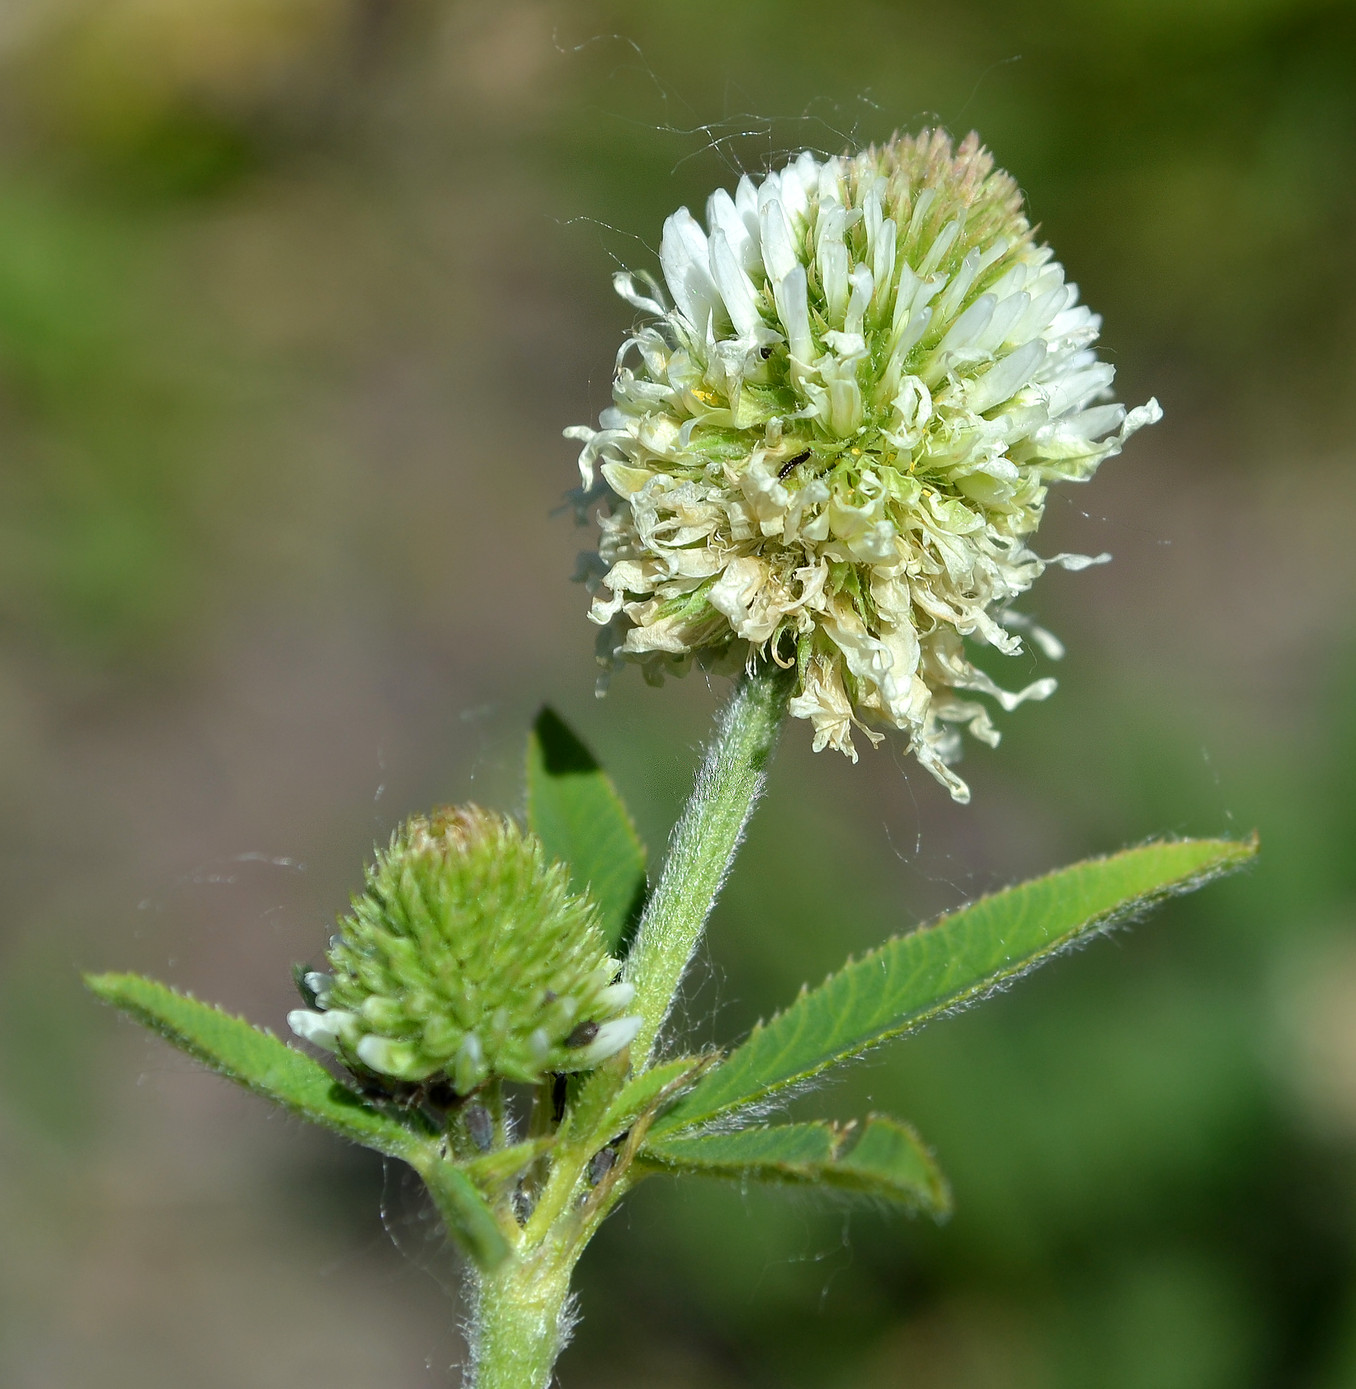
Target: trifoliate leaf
(259, 1061)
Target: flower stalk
(704, 844)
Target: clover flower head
(830, 442)
(467, 957)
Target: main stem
(521, 1313)
(703, 846)
(521, 1321)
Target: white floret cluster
(830, 442)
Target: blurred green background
(295, 298)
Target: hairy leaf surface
(465, 1213)
(881, 1158)
(259, 1061)
(643, 1094)
(954, 961)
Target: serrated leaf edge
(835, 1173)
(1242, 852)
(403, 1142)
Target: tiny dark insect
(480, 1126)
(376, 1087)
(439, 1092)
(791, 463)
(600, 1164)
(582, 1035)
(560, 1092)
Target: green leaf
(573, 807)
(465, 1213)
(494, 1170)
(647, 1092)
(881, 1158)
(956, 960)
(259, 1061)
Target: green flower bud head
(830, 441)
(466, 956)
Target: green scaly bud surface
(467, 956)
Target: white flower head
(833, 445)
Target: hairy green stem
(703, 846)
(521, 1321)
(521, 1313)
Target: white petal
(778, 238)
(1005, 378)
(863, 286)
(615, 997)
(1148, 413)
(723, 215)
(968, 326)
(320, 985)
(321, 1029)
(832, 259)
(793, 308)
(624, 282)
(610, 1038)
(1076, 562)
(940, 246)
(959, 285)
(913, 333)
(736, 289)
(1009, 310)
(384, 1056)
(1074, 391)
(683, 254)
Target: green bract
(467, 956)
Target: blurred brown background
(295, 298)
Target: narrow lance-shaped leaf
(642, 1095)
(954, 961)
(259, 1061)
(573, 807)
(465, 1212)
(881, 1158)
(495, 1171)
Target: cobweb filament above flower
(832, 435)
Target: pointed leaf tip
(260, 1062)
(257, 1060)
(466, 1213)
(880, 1158)
(948, 964)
